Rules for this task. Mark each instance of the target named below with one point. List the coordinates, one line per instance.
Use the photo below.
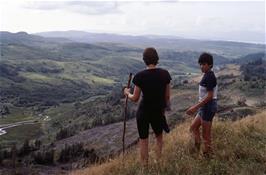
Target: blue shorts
(208, 111)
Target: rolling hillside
(239, 149)
(64, 95)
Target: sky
(211, 20)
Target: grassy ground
(239, 148)
(17, 115)
(20, 133)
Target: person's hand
(191, 110)
(126, 91)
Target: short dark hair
(150, 56)
(206, 58)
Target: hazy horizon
(204, 20)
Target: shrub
(45, 157)
(75, 151)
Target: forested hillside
(60, 96)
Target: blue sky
(212, 20)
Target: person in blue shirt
(206, 106)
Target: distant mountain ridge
(23, 38)
(227, 48)
(88, 37)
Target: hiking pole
(125, 115)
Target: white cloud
(83, 7)
(181, 18)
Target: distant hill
(253, 66)
(250, 58)
(224, 48)
(25, 38)
(26, 46)
(32, 65)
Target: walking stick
(125, 115)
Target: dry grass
(240, 148)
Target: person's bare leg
(144, 151)
(195, 132)
(159, 139)
(206, 134)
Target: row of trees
(22, 151)
(47, 155)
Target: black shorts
(208, 111)
(145, 119)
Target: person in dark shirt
(154, 84)
(207, 105)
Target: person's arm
(136, 94)
(194, 108)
